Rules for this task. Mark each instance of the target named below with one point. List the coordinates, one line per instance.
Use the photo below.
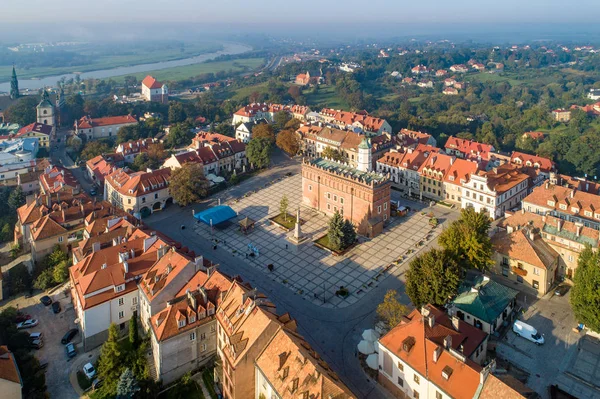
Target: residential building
(425, 84)
(29, 182)
(533, 135)
(568, 239)
(10, 377)
(243, 132)
(349, 67)
(450, 91)
(256, 111)
(594, 94)
(441, 72)
(57, 179)
(450, 82)
(570, 204)
(543, 165)
(523, 256)
(495, 191)
(307, 134)
(96, 128)
(468, 149)
(362, 196)
(17, 157)
(459, 68)
(299, 112)
(153, 90)
(432, 174)
(303, 79)
(483, 303)
(141, 193)
(561, 115)
(458, 175)
(420, 70)
(430, 355)
(104, 284)
(407, 138)
(102, 165)
(38, 130)
(478, 67)
(403, 169)
(356, 120)
(288, 368)
(130, 149)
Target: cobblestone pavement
(306, 269)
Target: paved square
(306, 269)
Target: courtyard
(306, 270)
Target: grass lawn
(101, 61)
(289, 224)
(181, 391)
(325, 95)
(324, 242)
(244, 92)
(189, 71)
(83, 381)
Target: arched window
(45, 111)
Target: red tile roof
(36, 128)
(537, 162)
(8, 366)
(470, 148)
(87, 123)
(460, 171)
(138, 183)
(151, 83)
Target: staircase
(151, 366)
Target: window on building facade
(328, 207)
(400, 366)
(192, 336)
(438, 395)
(143, 199)
(60, 239)
(535, 284)
(379, 209)
(121, 301)
(121, 314)
(335, 198)
(134, 300)
(202, 336)
(203, 348)
(416, 394)
(417, 379)
(536, 271)
(400, 382)
(328, 195)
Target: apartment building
(96, 128)
(433, 172)
(469, 149)
(458, 175)
(130, 149)
(404, 168)
(430, 355)
(141, 193)
(495, 191)
(367, 124)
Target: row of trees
(13, 198)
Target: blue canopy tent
(218, 214)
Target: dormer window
(550, 203)
(120, 288)
(574, 209)
(192, 319)
(181, 323)
(563, 207)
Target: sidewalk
(198, 378)
(77, 365)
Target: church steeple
(14, 85)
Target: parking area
(553, 318)
(54, 327)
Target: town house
(97, 128)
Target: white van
(528, 332)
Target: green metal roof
(348, 171)
(570, 235)
(483, 298)
(365, 144)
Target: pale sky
(299, 11)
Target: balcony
(518, 271)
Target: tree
(288, 142)
(176, 112)
(390, 310)
(432, 278)
(188, 184)
(127, 386)
(133, 332)
(151, 159)
(95, 148)
(60, 273)
(293, 124)
(22, 111)
(16, 198)
(332, 153)
(283, 207)
(44, 280)
(264, 130)
(349, 232)
(280, 119)
(179, 135)
(110, 363)
(585, 295)
(335, 233)
(467, 240)
(14, 85)
(258, 152)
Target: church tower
(365, 163)
(14, 85)
(45, 111)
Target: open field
(108, 61)
(510, 78)
(189, 71)
(326, 95)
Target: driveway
(553, 317)
(53, 326)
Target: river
(35, 84)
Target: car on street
(528, 332)
(93, 191)
(97, 383)
(561, 290)
(56, 307)
(71, 352)
(22, 317)
(89, 370)
(27, 324)
(69, 336)
(46, 300)
(36, 344)
(36, 335)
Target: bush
(19, 279)
(207, 377)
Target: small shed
(246, 225)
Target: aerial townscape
(193, 209)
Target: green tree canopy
(390, 310)
(95, 148)
(332, 153)
(188, 184)
(22, 111)
(283, 206)
(179, 135)
(281, 119)
(432, 278)
(258, 152)
(467, 240)
(585, 295)
(127, 387)
(335, 233)
(110, 363)
(264, 130)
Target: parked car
(70, 349)
(27, 324)
(528, 332)
(89, 370)
(56, 307)
(36, 335)
(93, 191)
(97, 383)
(46, 300)
(36, 344)
(561, 290)
(69, 336)
(22, 317)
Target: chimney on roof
(126, 266)
(192, 300)
(448, 342)
(573, 193)
(522, 210)
(455, 322)
(559, 224)
(96, 247)
(578, 231)
(161, 252)
(202, 292)
(436, 353)
(199, 262)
